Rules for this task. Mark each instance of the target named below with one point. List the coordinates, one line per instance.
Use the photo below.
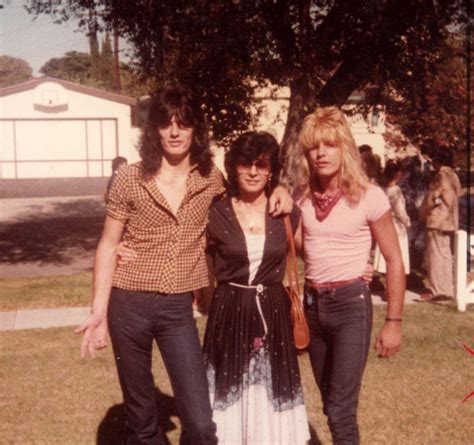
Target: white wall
(273, 115)
(61, 133)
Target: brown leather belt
(331, 284)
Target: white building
(59, 137)
(367, 129)
(272, 110)
(52, 129)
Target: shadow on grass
(56, 234)
(112, 429)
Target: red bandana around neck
(325, 202)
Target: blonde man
(341, 212)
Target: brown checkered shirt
(170, 248)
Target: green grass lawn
(51, 396)
(46, 292)
(55, 291)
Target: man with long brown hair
(159, 208)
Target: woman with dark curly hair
(250, 357)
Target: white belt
(259, 288)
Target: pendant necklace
(249, 215)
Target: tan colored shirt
(440, 208)
(170, 248)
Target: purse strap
(291, 261)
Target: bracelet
(393, 319)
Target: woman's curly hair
(166, 103)
(247, 148)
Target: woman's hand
(368, 273)
(125, 254)
(95, 333)
(280, 202)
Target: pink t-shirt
(338, 247)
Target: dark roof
(30, 84)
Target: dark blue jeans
(136, 319)
(340, 322)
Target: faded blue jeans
(136, 319)
(340, 322)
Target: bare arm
(299, 238)
(280, 202)
(94, 327)
(389, 339)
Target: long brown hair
(169, 102)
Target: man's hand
(95, 333)
(281, 202)
(389, 339)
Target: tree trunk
(302, 102)
(118, 80)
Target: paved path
(53, 318)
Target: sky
(36, 41)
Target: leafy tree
(432, 110)
(77, 67)
(73, 66)
(321, 49)
(106, 64)
(13, 70)
(134, 85)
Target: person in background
(371, 164)
(250, 357)
(341, 211)
(414, 185)
(365, 148)
(117, 163)
(440, 212)
(392, 176)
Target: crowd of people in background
(423, 190)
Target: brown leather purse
(300, 325)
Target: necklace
(250, 214)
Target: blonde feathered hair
(327, 125)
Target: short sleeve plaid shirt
(170, 247)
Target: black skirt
(252, 367)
